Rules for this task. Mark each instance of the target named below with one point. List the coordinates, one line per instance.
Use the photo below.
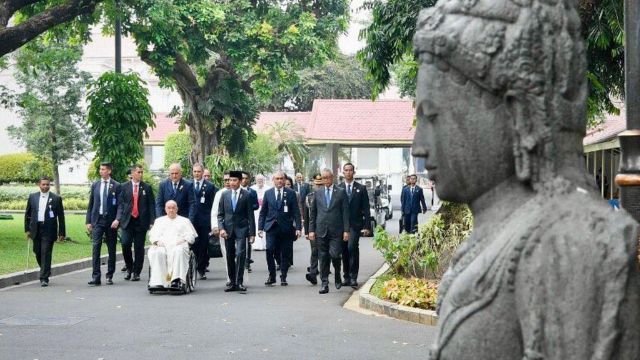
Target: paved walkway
(70, 320)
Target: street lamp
(118, 38)
(628, 178)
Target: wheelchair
(188, 285)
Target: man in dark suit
(204, 193)
(312, 270)
(236, 223)
(412, 203)
(279, 216)
(329, 226)
(100, 222)
(43, 222)
(359, 221)
(244, 184)
(302, 188)
(179, 190)
(135, 216)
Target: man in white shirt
(169, 252)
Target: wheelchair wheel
(190, 282)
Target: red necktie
(134, 212)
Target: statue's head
(501, 93)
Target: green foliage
(53, 123)
(22, 167)
(429, 252)
(177, 148)
(413, 292)
(224, 56)
(14, 197)
(261, 157)
(289, 140)
(119, 115)
(340, 78)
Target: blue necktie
(234, 200)
(349, 190)
(327, 197)
(197, 187)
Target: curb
(401, 312)
(17, 278)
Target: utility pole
(628, 178)
(118, 39)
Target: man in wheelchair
(169, 253)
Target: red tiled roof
(612, 126)
(361, 121)
(164, 126)
(301, 119)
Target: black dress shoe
(123, 269)
(241, 288)
(230, 287)
(270, 281)
(249, 261)
(249, 269)
(338, 285)
(44, 283)
(175, 284)
(109, 281)
(207, 270)
(136, 277)
(94, 283)
(324, 289)
(283, 281)
(228, 283)
(312, 279)
(353, 284)
(128, 277)
(203, 276)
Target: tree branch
(9, 7)
(12, 38)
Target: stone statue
(550, 272)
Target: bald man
(179, 190)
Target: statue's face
(467, 147)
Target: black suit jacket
(202, 217)
(329, 220)
(305, 189)
(93, 210)
(241, 222)
(146, 210)
(53, 226)
(359, 212)
(272, 214)
(184, 197)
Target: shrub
(22, 167)
(413, 292)
(427, 253)
(177, 149)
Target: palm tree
(288, 138)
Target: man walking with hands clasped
(329, 226)
(279, 215)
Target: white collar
(349, 183)
(44, 194)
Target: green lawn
(13, 244)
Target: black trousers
(313, 259)
(279, 245)
(43, 249)
(101, 230)
(236, 258)
(201, 248)
(351, 255)
(134, 235)
(329, 251)
(410, 222)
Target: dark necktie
(279, 198)
(197, 186)
(349, 190)
(103, 201)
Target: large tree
(222, 56)
(339, 78)
(23, 20)
(53, 123)
(389, 47)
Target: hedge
(22, 167)
(14, 197)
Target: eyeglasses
(227, 179)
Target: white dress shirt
(42, 206)
(102, 186)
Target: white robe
(260, 243)
(214, 224)
(169, 260)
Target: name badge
(51, 214)
(202, 200)
(286, 208)
(113, 201)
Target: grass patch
(13, 244)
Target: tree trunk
(56, 178)
(202, 130)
